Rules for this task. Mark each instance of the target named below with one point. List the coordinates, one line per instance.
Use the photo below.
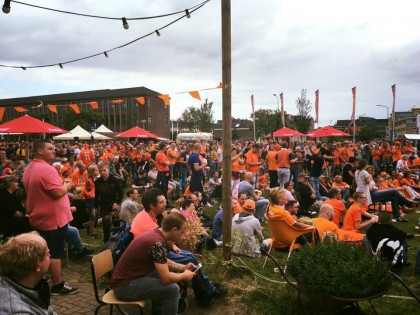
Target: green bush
(339, 269)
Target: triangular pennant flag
(52, 108)
(166, 99)
(220, 85)
(20, 109)
(94, 105)
(75, 108)
(116, 101)
(140, 100)
(2, 109)
(195, 94)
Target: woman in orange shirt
(237, 162)
(376, 157)
(386, 154)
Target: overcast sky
(277, 46)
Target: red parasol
(287, 132)
(136, 132)
(27, 125)
(327, 131)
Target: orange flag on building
(220, 85)
(2, 109)
(117, 101)
(20, 109)
(140, 99)
(195, 94)
(75, 108)
(94, 105)
(166, 99)
(52, 108)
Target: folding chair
(281, 231)
(102, 264)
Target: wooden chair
(102, 264)
(282, 232)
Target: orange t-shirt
(353, 215)
(385, 153)
(252, 158)
(376, 154)
(271, 160)
(87, 156)
(160, 159)
(283, 158)
(79, 179)
(238, 209)
(407, 181)
(172, 155)
(325, 227)
(262, 181)
(396, 153)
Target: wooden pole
(226, 130)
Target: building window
(149, 119)
(149, 102)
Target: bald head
(326, 212)
(248, 176)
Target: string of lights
(105, 53)
(7, 7)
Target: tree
(86, 119)
(198, 119)
(266, 121)
(302, 121)
(368, 132)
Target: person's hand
(68, 184)
(190, 266)
(73, 209)
(188, 275)
(115, 206)
(176, 249)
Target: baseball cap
(303, 175)
(249, 205)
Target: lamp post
(143, 121)
(278, 106)
(387, 117)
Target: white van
(194, 136)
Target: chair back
(282, 232)
(102, 263)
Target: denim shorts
(55, 240)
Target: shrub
(339, 269)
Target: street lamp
(143, 121)
(278, 100)
(387, 110)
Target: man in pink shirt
(49, 208)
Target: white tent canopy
(412, 136)
(82, 134)
(103, 129)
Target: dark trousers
(274, 178)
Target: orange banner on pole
(20, 109)
(141, 100)
(195, 94)
(353, 112)
(282, 109)
(52, 108)
(2, 110)
(117, 101)
(75, 108)
(393, 88)
(166, 99)
(94, 105)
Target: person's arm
(300, 225)
(67, 186)
(166, 276)
(360, 225)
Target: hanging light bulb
(106, 55)
(187, 13)
(157, 33)
(125, 23)
(6, 6)
(61, 66)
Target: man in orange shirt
(238, 206)
(397, 153)
(324, 224)
(283, 164)
(172, 154)
(271, 161)
(162, 164)
(253, 163)
(353, 218)
(79, 177)
(338, 205)
(87, 155)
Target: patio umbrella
(327, 131)
(136, 132)
(287, 132)
(29, 125)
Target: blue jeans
(73, 239)
(201, 281)
(394, 197)
(184, 175)
(165, 296)
(315, 185)
(284, 175)
(260, 207)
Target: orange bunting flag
(94, 105)
(75, 108)
(20, 109)
(166, 99)
(117, 101)
(220, 86)
(52, 108)
(2, 109)
(195, 94)
(140, 100)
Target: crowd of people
(351, 192)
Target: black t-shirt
(347, 178)
(316, 169)
(305, 196)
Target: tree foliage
(86, 119)
(267, 121)
(302, 121)
(195, 119)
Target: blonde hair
(274, 194)
(91, 168)
(20, 255)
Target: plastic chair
(282, 232)
(102, 264)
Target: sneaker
(402, 219)
(394, 220)
(218, 243)
(208, 204)
(85, 252)
(63, 289)
(219, 293)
